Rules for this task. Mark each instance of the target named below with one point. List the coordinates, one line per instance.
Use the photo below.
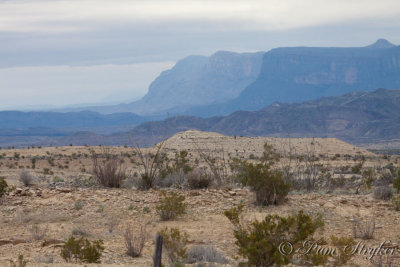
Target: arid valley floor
(62, 177)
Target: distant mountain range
(34, 123)
(226, 82)
(353, 117)
(194, 81)
(283, 91)
(358, 117)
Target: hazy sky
(56, 52)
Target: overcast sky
(56, 52)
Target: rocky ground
(36, 220)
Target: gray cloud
(54, 34)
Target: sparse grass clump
(82, 250)
(364, 229)
(204, 254)
(259, 241)
(108, 172)
(78, 205)
(175, 243)
(171, 206)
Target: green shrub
(175, 243)
(3, 186)
(78, 205)
(268, 183)
(82, 250)
(259, 241)
(171, 206)
(396, 202)
(396, 182)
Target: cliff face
(198, 80)
(302, 73)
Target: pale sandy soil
(205, 223)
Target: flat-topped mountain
(227, 82)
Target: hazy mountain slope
(370, 115)
(355, 117)
(193, 81)
(72, 120)
(302, 73)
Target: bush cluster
(3, 186)
(267, 182)
(82, 250)
(171, 206)
(259, 241)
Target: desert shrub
(171, 206)
(153, 165)
(3, 186)
(134, 242)
(383, 193)
(179, 163)
(198, 179)
(175, 243)
(25, 178)
(342, 245)
(259, 241)
(396, 182)
(364, 229)
(204, 254)
(82, 250)
(396, 202)
(20, 262)
(108, 172)
(268, 183)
